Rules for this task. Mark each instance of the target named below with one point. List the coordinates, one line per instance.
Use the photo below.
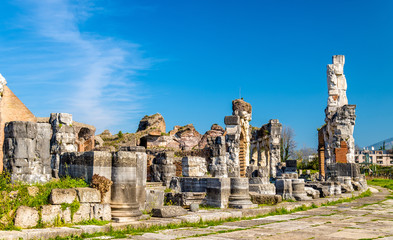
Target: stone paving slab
(343, 221)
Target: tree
(383, 146)
(287, 144)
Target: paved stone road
(366, 218)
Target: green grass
(386, 183)
(343, 200)
(93, 222)
(207, 207)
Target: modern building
(379, 157)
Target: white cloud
(99, 72)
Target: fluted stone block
(124, 202)
(240, 197)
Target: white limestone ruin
(340, 117)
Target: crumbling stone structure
(63, 138)
(238, 138)
(336, 142)
(163, 169)
(265, 146)
(26, 151)
(218, 156)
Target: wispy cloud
(97, 74)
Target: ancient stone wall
(26, 151)
(11, 109)
(163, 168)
(218, 156)
(265, 146)
(92, 206)
(86, 164)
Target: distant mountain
(388, 144)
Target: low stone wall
(67, 206)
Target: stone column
(233, 145)
(275, 129)
(284, 188)
(243, 110)
(124, 204)
(141, 175)
(240, 197)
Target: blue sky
(109, 63)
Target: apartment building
(380, 157)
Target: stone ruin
(336, 145)
(265, 155)
(336, 142)
(230, 177)
(222, 168)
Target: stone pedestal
(259, 181)
(334, 188)
(298, 191)
(337, 188)
(124, 202)
(261, 186)
(240, 197)
(217, 192)
(284, 188)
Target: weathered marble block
(26, 151)
(194, 166)
(217, 192)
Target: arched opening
(85, 140)
(254, 155)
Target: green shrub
(120, 134)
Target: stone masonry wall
(11, 109)
(26, 149)
(91, 207)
